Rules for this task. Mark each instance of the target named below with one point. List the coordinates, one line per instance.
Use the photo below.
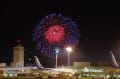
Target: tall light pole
(69, 49)
(57, 50)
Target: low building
(3, 64)
(78, 64)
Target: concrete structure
(3, 65)
(81, 64)
(18, 56)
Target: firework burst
(54, 31)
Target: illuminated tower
(18, 55)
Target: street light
(56, 52)
(69, 49)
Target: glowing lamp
(69, 49)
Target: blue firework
(55, 31)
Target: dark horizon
(99, 27)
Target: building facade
(18, 56)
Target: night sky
(99, 26)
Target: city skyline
(99, 27)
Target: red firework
(55, 31)
(55, 34)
